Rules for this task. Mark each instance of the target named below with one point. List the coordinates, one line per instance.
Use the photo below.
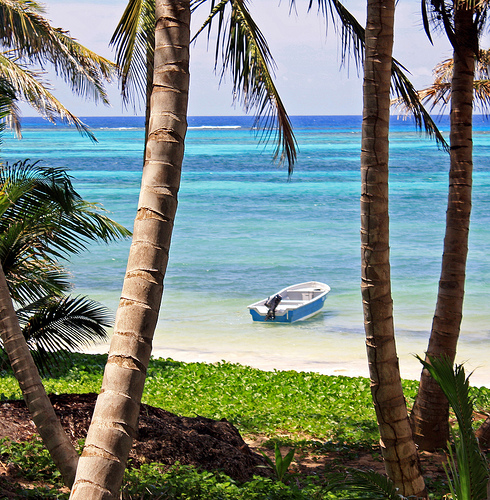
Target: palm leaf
(30, 35)
(439, 93)
(351, 32)
(82, 68)
(43, 219)
(472, 475)
(406, 93)
(59, 217)
(134, 40)
(29, 273)
(243, 51)
(30, 88)
(55, 326)
(370, 485)
(27, 186)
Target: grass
(290, 404)
(304, 410)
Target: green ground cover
(286, 407)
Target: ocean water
(244, 230)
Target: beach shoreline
(350, 362)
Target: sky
(307, 57)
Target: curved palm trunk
(42, 413)
(102, 464)
(397, 446)
(430, 412)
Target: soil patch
(162, 436)
(207, 444)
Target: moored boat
(292, 303)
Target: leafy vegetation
(43, 220)
(289, 407)
(467, 468)
(284, 405)
(281, 405)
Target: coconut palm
(397, 446)
(37, 401)
(42, 219)
(28, 43)
(463, 22)
(246, 54)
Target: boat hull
(301, 302)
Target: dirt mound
(162, 436)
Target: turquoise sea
(243, 231)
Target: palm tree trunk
(430, 412)
(397, 446)
(42, 413)
(114, 423)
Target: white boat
(292, 303)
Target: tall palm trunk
(430, 412)
(42, 413)
(114, 424)
(397, 446)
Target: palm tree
(42, 219)
(29, 42)
(247, 55)
(114, 423)
(463, 22)
(42, 413)
(397, 446)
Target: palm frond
(41, 183)
(438, 15)
(414, 104)
(371, 484)
(22, 25)
(134, 41)
(43, 219)
(7, 102)
(30, 36)
(71, 231)
(30, 88)
(439, 93)
(47, 195)
(351, 32)
(243, 51)
(469, 470)
(30, 274)
(353, 44)
(84, 70)
(56, 326)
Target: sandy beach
(341, 354)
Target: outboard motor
(271, 304)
